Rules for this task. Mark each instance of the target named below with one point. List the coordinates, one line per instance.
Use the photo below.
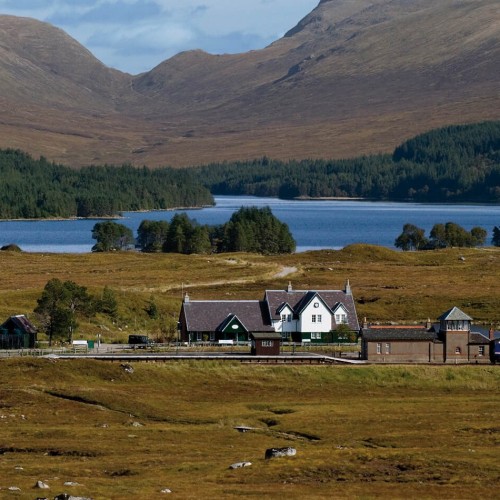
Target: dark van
(139, 341)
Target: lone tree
(111, 236)
(58, 307)
(496, 236)
(412, 238)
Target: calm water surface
(314, 224)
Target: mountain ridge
(352, 77)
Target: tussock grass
(374, 431)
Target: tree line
(450, 164)
(250, 229)
(31, 189)
(443, 236)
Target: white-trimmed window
(283, 318)
(316, 336)
(267, 343)
(289, 318)
(388, 348)
(481, 350)
(313, 318)
(379, 348)
(320, 318)
(212, 336)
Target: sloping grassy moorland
(359, 432)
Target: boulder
(280, 452)
(41, 485)
(239, 465)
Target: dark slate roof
(266, 335)
(210, 315)
(298, 299)
(398, 333)
(20, 322)
(478, 338)
(454, 314)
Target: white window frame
(387, 348)
(320, 318)
(379, 348)
(313, 318)
(267, 343)
(481, 350)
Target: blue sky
(136, 35)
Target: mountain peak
(353, 77)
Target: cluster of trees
(32, 188)
(456, 163)
(250, 229)
(441, 236)
(62, 303)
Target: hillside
(353, 77)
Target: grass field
(387, 285)
(359, 432)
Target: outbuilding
(17, 333)
(265, 343)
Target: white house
(298, 315)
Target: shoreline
(104, 217)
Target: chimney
(365, 324)
(492, 333)
(186, 298)
(289, 288)
(348, 290)
(428, 325)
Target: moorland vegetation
(114, 430)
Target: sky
(136, 35)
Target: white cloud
(135, 35)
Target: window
(267, 343)
(388, 348)
(340, 318)
(458, 350)
(379, 348)
(481, 350)
(198, 336)
(316, 336)
(289, 318)
(212, 336)
(283, 318)
(319, 318)
(313, 319)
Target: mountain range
(353, 77)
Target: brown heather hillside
(353, 77)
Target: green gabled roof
(454, 314)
